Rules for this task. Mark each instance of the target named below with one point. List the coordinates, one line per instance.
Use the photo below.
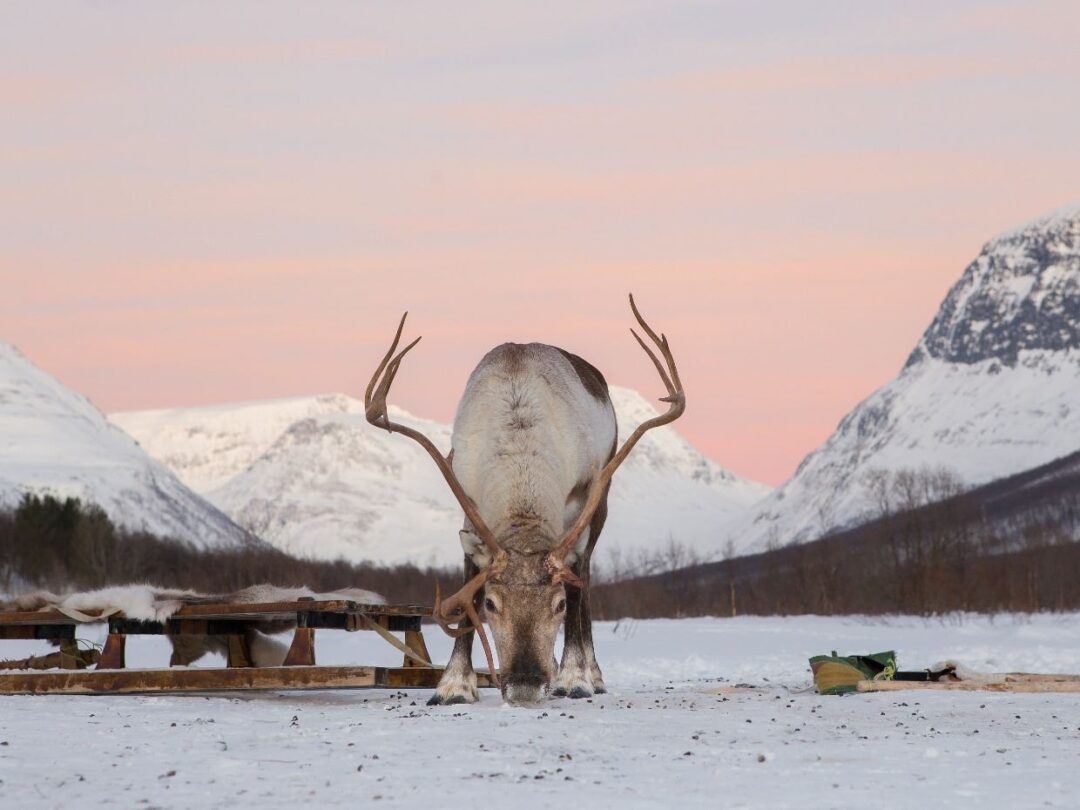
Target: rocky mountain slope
(991, 389)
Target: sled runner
(877, 672)
(232, 623)
(983, 682)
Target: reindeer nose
(525, 680)
(523, 691)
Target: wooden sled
(229, 621)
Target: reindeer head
(522, 593)
(524, 610)
(524, 605)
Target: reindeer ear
(470, 540)
(474, 547)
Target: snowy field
(662, 737)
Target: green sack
(838, 675)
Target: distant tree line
(67, 545)
(933, 549)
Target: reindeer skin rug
(151, 603)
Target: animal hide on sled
(151, 603)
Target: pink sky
(203, 204)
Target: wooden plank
(34, 617)
(288, 609)
(239, 652)
(414, 640)
(134, 681)
(227, 627)
(135, 627)
(282, 610)
(410, 677)
(182, 627)
(302, 650)
(968, 686)
(403, 624)
(112, 656)
(50, 631)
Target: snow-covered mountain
(993, 388)
(55, 441)
(311, 476)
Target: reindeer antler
(460, 605)
(676, 399)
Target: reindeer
(533, 453)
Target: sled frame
(232, 623)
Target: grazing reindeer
(533, 455)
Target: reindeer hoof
(572, 683)
(454, 688)
(452, 700)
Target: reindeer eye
(489, 606)
(559, 608)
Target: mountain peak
(1064, 218)
(1022, 293)
(990, 391)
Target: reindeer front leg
(579, 675)
(575, 678)
(586, 637)
(458, 683)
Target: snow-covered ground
(662, 737)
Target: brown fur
(590, 377)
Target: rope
(396, 642)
